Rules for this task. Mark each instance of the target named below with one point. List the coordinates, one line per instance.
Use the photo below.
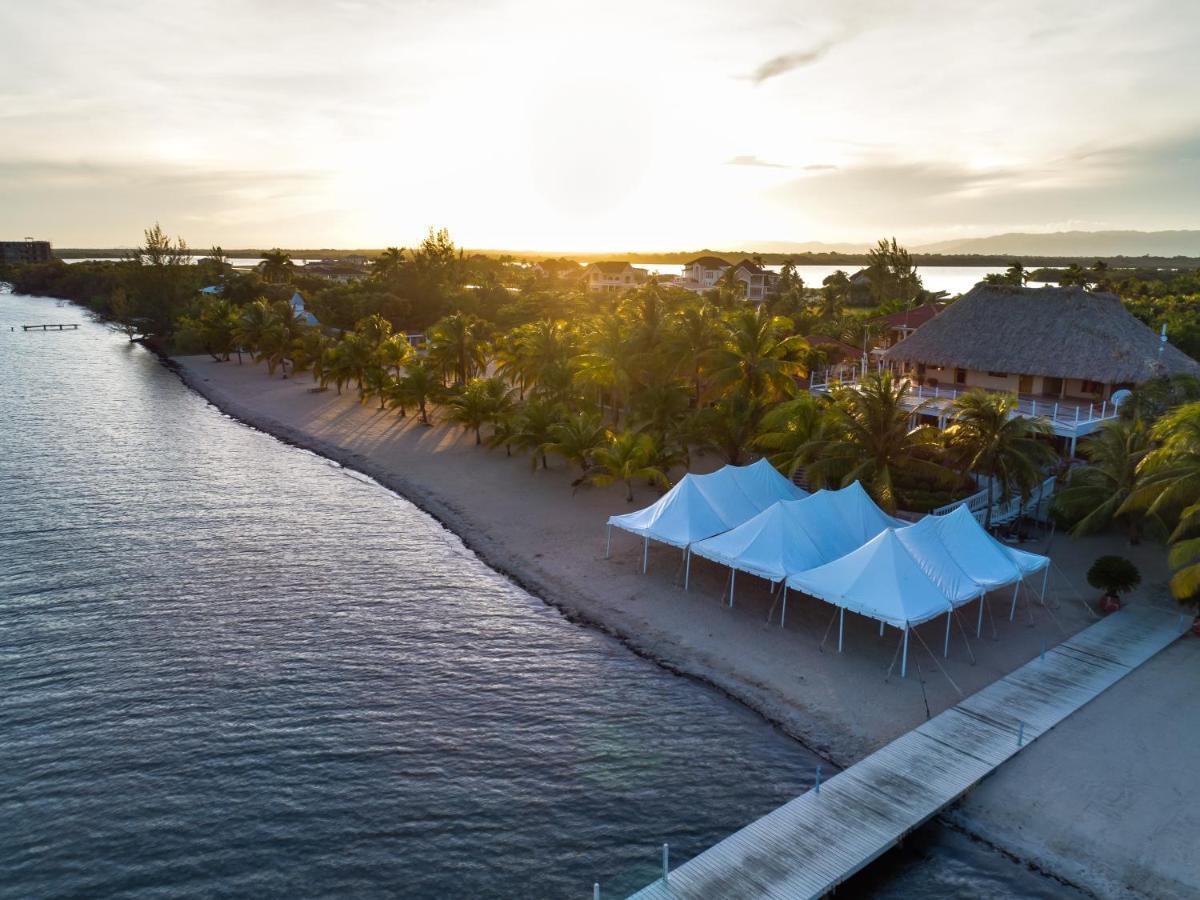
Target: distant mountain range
(1075, 243)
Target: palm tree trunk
(628, 490)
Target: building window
(998, 374)
(960, 376)
(1092, 387)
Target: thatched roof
(1062, 332)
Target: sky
(594, 126)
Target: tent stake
(904, 656)
(608, 546)
(645, 552)
(687, 567)
(841, 626)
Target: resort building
(897, 326)
(760, 283)
(702, 273)
(26, 251)
(1068, 354)
(613, 276)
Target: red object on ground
(1109, 604)
(1196, 626)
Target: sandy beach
(529, 525)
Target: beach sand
(529, 525)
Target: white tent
(907, 576)
(700, 506)
(792, 536)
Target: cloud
(750, 159)
(819, 167)
(787, 62)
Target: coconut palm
(694, 331)
(793, 434)
(475, 405)
(606, 356)
(1168, 487)
(989, 439)
(627, 457)
(337, 365)
(577, 438)
(659, 409)
(458, 343)
(1151, 399)
(276, 345)
(377, 382)
(389, 262)
(276, 266)
(256, 318)
(870, 440)
(730, 426)
(533, 429)
(420, 386)
(308, 351)
(373, 331)
(1096, 492)
(393, 352)
(758, 359)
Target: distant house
(702, 273)
(300, 312)
(213, 290)
(27, 251)
(342, 271)
(760, 283)
(860, 289)
(555, 268)
(613, 276)
(897, 326)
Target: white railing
(1006, 510)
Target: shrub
(1114, 575)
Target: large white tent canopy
(700, 506)
(907, 576)
(795, 535)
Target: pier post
(841, 626)
(904, 654)
(666, 863)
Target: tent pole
(841, 626)
(1045, 580)
(783, 612)
(881, 629)
(732, 578)
(979, 627)
(645, 552)
(946, 649)
(687, 567)
(904, 654)
(1012, 612)
(608, 546)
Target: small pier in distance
(806, 848)
(66, 326)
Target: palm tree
(605, 360)
(1096, 492)
(533, 429)
(730, 425)
(373, 330)
(457, 342)
(988, 438)
(276, 345)
(577, 438)
(393, 352)
(793, 432)
(472, 407)
(308, 351)
(659, 408)
(626, 457)
(870, 440)
(420, 386)
(377, 382)
(695, 330)
(757, 360)
(276, 266)
(1168, 487)
(389, 262)
(256, 318)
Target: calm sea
(230, 668)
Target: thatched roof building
(1061, 332)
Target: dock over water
(809, 846)
(52, 327)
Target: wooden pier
(63, 327)
(809, 846)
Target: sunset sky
(606, 126)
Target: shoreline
(828, 702)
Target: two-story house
(613, 276)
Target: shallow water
(231, 668)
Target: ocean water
(231, 668)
